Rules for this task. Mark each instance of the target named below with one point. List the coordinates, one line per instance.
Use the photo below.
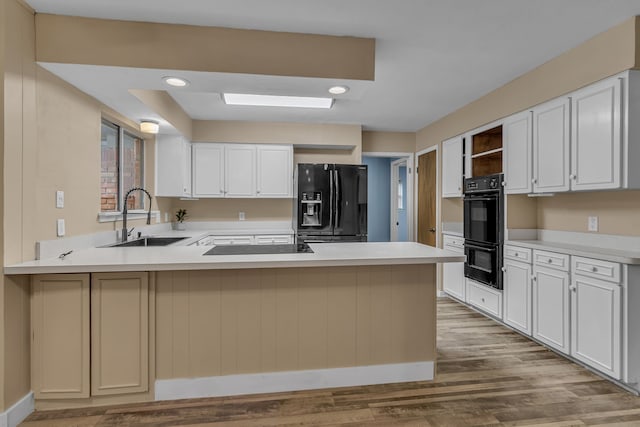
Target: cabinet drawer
(551, 260)
(282, 239)
(232, 240)
(454, 244)
(604, 270)
(517, 253)
(484, 298)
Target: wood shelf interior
(486, 150)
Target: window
(122, 168)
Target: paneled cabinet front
(551, 160)
(516, 135)
(119, 333)
(551, 307)
(90, 335)
(173, 166)
(60, 336)
(242, 170)
(452, 173)
(517, 295)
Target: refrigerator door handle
(337, 191)
(331, 196)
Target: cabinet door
(595, 324)
(516, 134)
(173, 166)
(517, 295)
(60, 333)
(551, 143)
(596, 136)
(452, 167)
(240, 170)
(275, 165)
(551, 308)
(119, 333)
(453, 281)
(207, 169)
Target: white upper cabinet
(240, 170)
(173, 166)
(551, 144)
(274, 171)
(516, 147)
(208, 169)
(452, 167)
(596, 138)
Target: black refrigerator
(331, 204)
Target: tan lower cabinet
(60, 334)
(119, 333)
(90, 335)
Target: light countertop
(602, 253)
(177, 257)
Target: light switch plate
(60, 227)
(59, 199)
(592, 223)
(241, 216)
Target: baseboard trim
(18, 412)
(231, 385)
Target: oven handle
(484, 199)
(482, 248)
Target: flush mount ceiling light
(149, 126)
(338, 90)
(175, 81)
(276, 101)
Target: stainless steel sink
(148, 241)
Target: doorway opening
(390, 196)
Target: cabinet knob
(534, 278)
(594, 269)
(573, 288)
(504, 269)
(549, 260)
(572, 176)
(482, 299)
(515, 254)
(459, 189)
(504, 183)
(534, 181)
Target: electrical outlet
(60, 227)
(59, 199)
(592, 223)
(241, 216)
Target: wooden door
(427, 198)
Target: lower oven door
(483, 263)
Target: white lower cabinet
(551, 307)
(572, 304)
(485, 298)
(596, 322)
(517, 295)
(453, 272)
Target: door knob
(433, 230)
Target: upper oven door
(482, 218)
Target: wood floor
(487, 375)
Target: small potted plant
(181, 215)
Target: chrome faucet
(125, 232)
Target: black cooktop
(258, 249)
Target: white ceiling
(432, 56)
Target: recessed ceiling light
(338, 90)
(175, 81)
(276, 101)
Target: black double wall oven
(484, 229)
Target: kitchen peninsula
(133, 324)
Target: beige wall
(618, 212)
(3, 321)
(227, 209)
(388, 142)
(608, 53)
(18, 136)
(73, 40)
